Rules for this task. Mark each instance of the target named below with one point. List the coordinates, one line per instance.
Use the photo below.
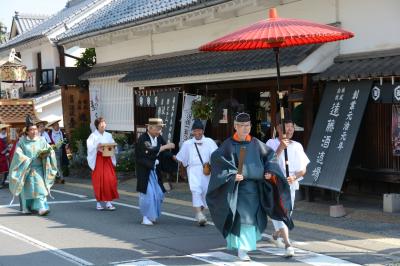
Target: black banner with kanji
(167, 104)
(334, 133)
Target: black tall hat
(242, 117)
(197, 124)
(28, 121)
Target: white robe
(57, 136)
(92, 142)
(188, 156)
(298, 161)
(46, 136)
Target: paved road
(76, 234)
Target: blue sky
(46, 7)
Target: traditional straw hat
(155, 122)
(44, 122)
(4, 126)
(53, 122)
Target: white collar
(98, 133)
(28, 138)
(198, 140)
(154, 141)
(155, 138)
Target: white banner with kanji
(187, 117)
(95, 107)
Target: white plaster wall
(122, 50)
(322, 11)
(51, 112)
(75, 51)
(376, 24)
(49, 54)
(116, 103)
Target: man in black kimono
(150, 148)
(246, 186)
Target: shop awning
(213, 67)
(363, 65)
(334, 133)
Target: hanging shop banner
(147, 100)
(95, 107)
(396, 92)
(167, 103)
(334, 133)
(385, 93)
(187, 117)
(396, 129)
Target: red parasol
(275, 33)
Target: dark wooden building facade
(75, 98)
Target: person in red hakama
(3, 154)
(104, 179)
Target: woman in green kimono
(32, 171)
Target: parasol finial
(273, 13)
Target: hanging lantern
(13, 72)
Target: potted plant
(203, 108)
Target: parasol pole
(282, 110)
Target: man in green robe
(32, 171)
(246, 186)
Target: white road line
(69, 193)
(137, 263)
(311, 258)
(53, 202)
(297, 243)
(301, 255)
(163, 213)
(62, 254)
(8, 206)
(70, 201)
(222, 259)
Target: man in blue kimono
(32, 171)
(150, 148)
(246, 186)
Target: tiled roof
(107, 70)
(63, 16)
(15, 110)
(371, 65)
(25, 22)
(132, 12)
(206, 63)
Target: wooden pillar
(274, 106)
(61, 55)
(65, 108)
(308, 108)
